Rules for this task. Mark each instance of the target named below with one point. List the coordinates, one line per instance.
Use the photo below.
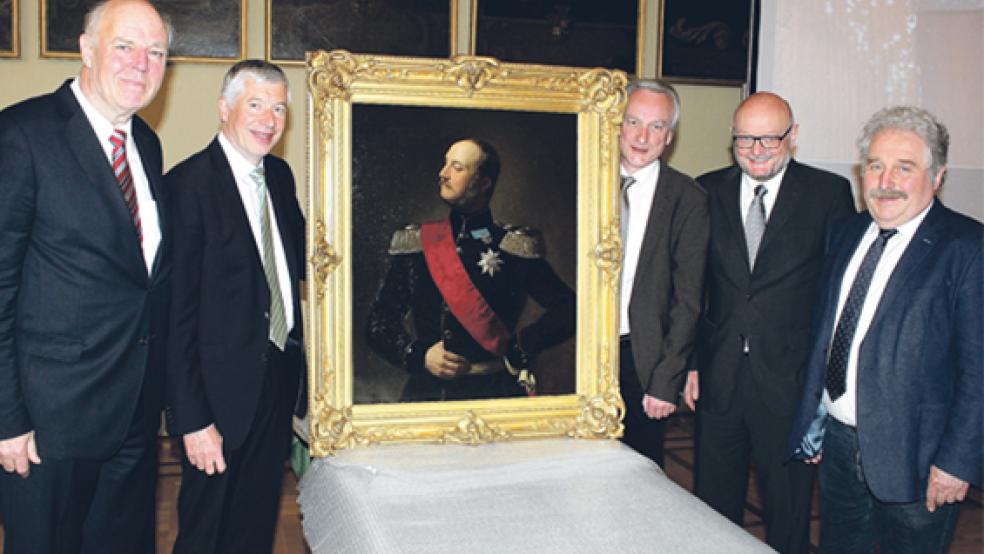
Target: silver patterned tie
(278, 319)
(755, 224)
(627, 181)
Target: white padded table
(558, 495)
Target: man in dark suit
(893, 395)
(235, 358)
(768, 219)
(84, 271)
(664, 234)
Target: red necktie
(122, 171)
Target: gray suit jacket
(667, 288)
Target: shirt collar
(645, 174)
(241, 167)
(100, 125)
(771, 184)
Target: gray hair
(912, 119)
(93, 20)
(260, 71)
(658, 87)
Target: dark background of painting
(394, 27)
(397, 152)
(6, 25)
(202, 28)
(706, 39)
(580, 33)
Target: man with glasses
(769, 216)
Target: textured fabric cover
(559, 495)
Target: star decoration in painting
(490, 262)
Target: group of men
(802, 332)
(123, 290)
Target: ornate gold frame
(337, 80)
(14, 51)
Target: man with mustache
(769, 215)
(892, 406)
(84, 271)
(465, 280)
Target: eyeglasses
(769, 142)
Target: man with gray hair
(892, 405)
(664, 236)
(84, 268)
(235, 360)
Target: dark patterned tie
(844, 334)
(627, 182)
(755, 224)
(122, 171)
(278, 318)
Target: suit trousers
(852, 520)
(70, 506)
(749, 432)
(236, 511)
(643, 434)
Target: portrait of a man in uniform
(448, 309)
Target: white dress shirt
(146, 205)
(748, 193)
(844, 409)
(640, 194)
(241, 168)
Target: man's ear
(223, 109)
(86, 46)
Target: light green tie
(278, 319)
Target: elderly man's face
(460, 183)
(255, 122)
(123, 64)
(645, 129)
(764, 115)
(896, 177)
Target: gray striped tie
(278, 319)
(755, 224)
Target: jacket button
(266, 315)
(448, 334)
(748, 297)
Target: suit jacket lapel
(278, 195)
(657, 223)
(790, 194)
(731, 240)
(152, 169)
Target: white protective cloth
(558, 495)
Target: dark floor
(679, 467)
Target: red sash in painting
(461, 295)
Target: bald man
(84, 291)
(769, 215)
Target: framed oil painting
(9, 31)
(204, 30)
(384, 136)
(581, 33)
(395, 27)
(705, 41)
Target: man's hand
(444, 364)
(814, 460)
(944, 488)
(691, 391)
(18, 453)
(204, 450)
(656, 408)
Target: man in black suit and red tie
(769, 216)
(84, 271)
(235, 358)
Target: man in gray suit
(664, 234)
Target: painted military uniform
(505, 265)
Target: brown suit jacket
(667, 289)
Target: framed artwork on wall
(381, 129)
(9, 32)
(705, 41)
(578, 33)
(204, 30)
(419, 28)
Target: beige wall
(186, 117)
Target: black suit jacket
(770, 307)
(667, 286)
(220, 323)
(82, 324)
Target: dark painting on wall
(395, 170)
(705, 40)
(580, 33)
(396, 27)
(8, 29)
(204, 30)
